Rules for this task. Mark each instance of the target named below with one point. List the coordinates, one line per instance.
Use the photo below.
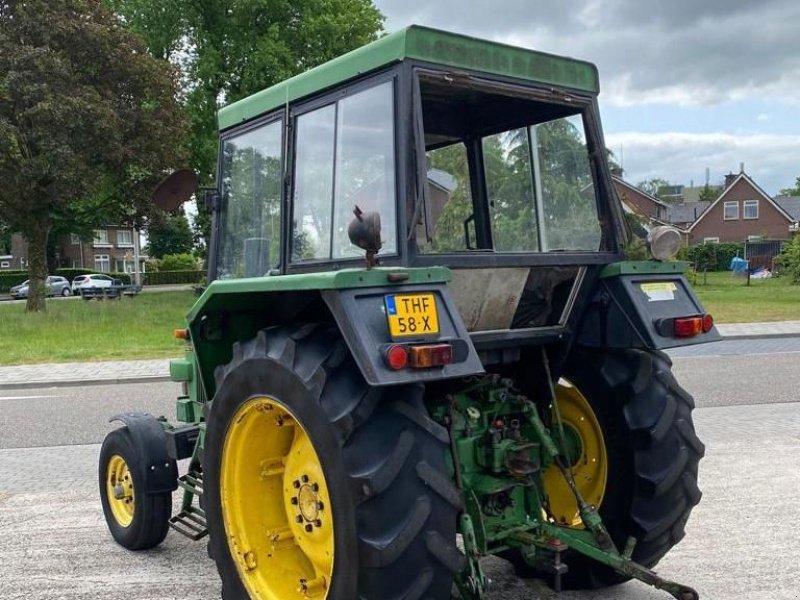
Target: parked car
(91, 281)
(53, 285)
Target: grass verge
(80, 330)
(730, 300)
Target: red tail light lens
(708, 323)
(434, 355)
(688, 327)
(396, 357)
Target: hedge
(174, 277)
(9, 279)
(712, 257)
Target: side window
(313, 184)
(365, 173)
(344, 157)
(509, 187)
(450, 203)
(250, 243)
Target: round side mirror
(175, 190)
(364, 232)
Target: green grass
(141, 327)
(730, 300)
(78, 330)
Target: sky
(687, 86)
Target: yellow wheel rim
(590, 463)
(119, 490)
(275, 504)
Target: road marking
(27, 397)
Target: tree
(88, 124)
(169, 234)
(229, 49)
(653, 186)
(795, 191)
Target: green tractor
(420, 328)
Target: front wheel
(637, 457)
(137, 521)
(65, 292)
(318, 486)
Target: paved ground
(54, 545)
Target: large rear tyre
(317, 485)
(651, 452)
(137, 521)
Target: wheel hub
(276, 504)
(119, 490)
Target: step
(190, 523)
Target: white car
(91, 281)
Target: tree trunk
(37, 267)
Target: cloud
(684, 157)
(648, 51)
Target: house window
(751, 209)
(5, 264)
(711, 240)
(124, 238)
(74, 239)
(731, 211)
(101, 237)
(102, 263)
(754, 238)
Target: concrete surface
(739, 544)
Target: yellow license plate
(411, 314)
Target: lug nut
(320, 506)
(295, 501)
(318, 523)
(296, 484)
(304, 478)
(299, 518)
(314, 487)
(309, 528)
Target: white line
(27, 397)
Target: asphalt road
(739, 543)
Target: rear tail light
(396, 357)
(688, 326)
(435, 355)
(708, 323)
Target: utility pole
(137, 276)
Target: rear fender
(633, 306)
(361, 317)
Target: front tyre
(318, 486)
(137, 521)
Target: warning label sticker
(660, 290)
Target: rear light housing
(423, 356)
(432, 355)
(687, 326)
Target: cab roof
(424, 44)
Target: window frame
(74, 239)
(266, 120)
(102, 258)
(102, 240)
(749, 204)
(611, 222)
(725, 205)
(122, 244)
(394, 76)
(711, 240)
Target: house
(743, 212)
(638, 202)
(112, 249)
